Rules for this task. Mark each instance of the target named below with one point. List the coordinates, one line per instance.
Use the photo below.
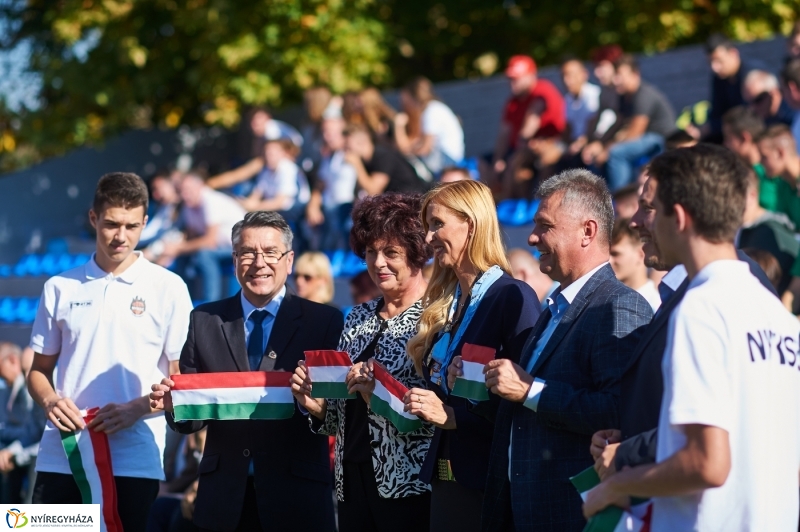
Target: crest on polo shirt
(137, 306)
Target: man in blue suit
(566, 386)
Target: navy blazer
(503, 320)
(582, 364)
(291, 464)
(643, 383)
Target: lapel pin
(272, 354)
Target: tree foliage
(110, 65)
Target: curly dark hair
(393, 218)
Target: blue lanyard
(444, 348)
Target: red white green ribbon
(472, 385)
(89, 459)
(327, 371)
(232, 395)
(613, 518)
(387, 401)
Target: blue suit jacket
(503, 320)
(581, 364)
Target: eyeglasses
(304, 276)
(761, 98)
(270, 257)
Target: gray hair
(766, 80)
(262, 219)
(584, 194)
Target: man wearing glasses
(259, 475)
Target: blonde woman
(313, 279)
(472, 298)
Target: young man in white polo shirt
(112, 326)
(729, 430)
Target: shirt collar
(94, 271)
(565, 297)
(720, 268)
(271, 307)
(675, 277)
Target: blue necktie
(665, 292)
(255, 347)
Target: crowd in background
(354, 146)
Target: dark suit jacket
(643, 383)
(291, 464)
(582, 364)
(503, 320)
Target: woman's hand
(427, 406)
(453, 371)
(301, 389)
(361, 379)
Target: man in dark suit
(642, 383)
(259, 475)
(567, 383)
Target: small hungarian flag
(613, 518)
(387, 401)
(89, 458)
(472, 385)
(232, 395)
(327, 371)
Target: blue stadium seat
(516, 212)
(7, 310)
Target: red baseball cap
(520, 65)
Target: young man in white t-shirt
(729, 430)
(111, 326)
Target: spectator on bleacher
(605, 123)
(368, 109)
(532, 123)
(793, 42)
(780, 159)
(582, 101)
(363, 289)
(313, 278)
(451, 174)
(316, 102)
(164, 209)
(110, 327)
(648, 118)
(741, 127)
(207, 218)
(525, 268)
(626, 201)
(762, 92)
(328, 210)
(790, 86)
(768, 263)
(440, 142)
(21, 428)
(769, 231)
(263, 127)
(379, 168)
(627, 260)
(728, 73)
(281, 186)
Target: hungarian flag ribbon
(232, 395)
(472, 385)
(327, 371)
(613, 518)
(387, 401)
(89, 458)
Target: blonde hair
(317, 263)
(471, 201)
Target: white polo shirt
(735, 367)
(115, 337)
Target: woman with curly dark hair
(377, 467)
